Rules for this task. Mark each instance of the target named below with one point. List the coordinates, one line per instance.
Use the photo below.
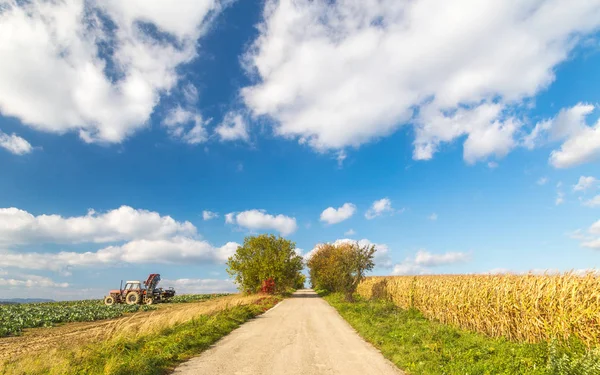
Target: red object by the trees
(268, 286)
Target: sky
(148, 136)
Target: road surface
(301, 335)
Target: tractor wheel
(149, 301)
(132, 298)
(109, 300)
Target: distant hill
(24, 300)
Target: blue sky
(461, 142)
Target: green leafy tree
(340, 267)
(263, 257)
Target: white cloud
(433, 217)
(378, 208)
(542, 271)
(424, 260)
(343, 73)
(177, 250)
(581, 143)
(585, 183)
(340, 157)
(592, 244)
(427, 259)
(209, 215)
(201, 286)
(261, 220)
(492, 165)
(31, 281)
(542, 181)
(333, 216)
(560, 198)
(486, 135)
(593, 202)
(185, 125)
(349, 232)
(408, 268)
(232, 128)
(122, 224)
(14, 144)
(111, 70)
(230, 218)
(589, 238)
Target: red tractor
(135, 293)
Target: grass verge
(420, 346)
(155, 353)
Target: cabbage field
(183, 298)
(16, 317)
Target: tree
(340, 267)
(266, 257)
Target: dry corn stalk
(529, 308)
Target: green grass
(156, 354)
(420, 346)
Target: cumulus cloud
(230, 218)
(592, 202)
(433, 217)
(209, 215)
(14, 144)
(233, 128)
(185, 125)
(333, 216)
(349, 232)
(581, 143)
(31, 281)
(337, 74)
(560, 198)
(427, 259)
(113, 59)
(378, 208)
(134, 237)
(178, 250)
(423, 261)
(589, 238)
(201, 286)
(585, 183)
(261, 220)
(122, 224)
(542, 181)
(543, 271)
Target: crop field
(184, 298)
(526, 308)
(16, 317)
(53, 350)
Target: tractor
(136, 293)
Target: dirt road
(301, 335)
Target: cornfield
(528, 308)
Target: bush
(263, 258)
(340, 267)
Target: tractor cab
(132, 285)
